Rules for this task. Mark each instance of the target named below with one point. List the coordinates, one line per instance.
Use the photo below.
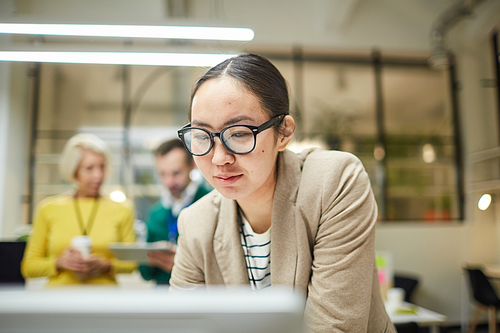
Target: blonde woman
(85, 162)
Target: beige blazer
(322, 242)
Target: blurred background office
(408, 86)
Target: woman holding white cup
(71, 232)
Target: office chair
(408, 283)
(407, 328)
(485, 295)
(11, 254)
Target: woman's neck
(81, 194)
(258, 210)
(258, 207)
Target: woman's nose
(220, 154)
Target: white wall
(4, 132)
(16, 152)
(14, 126)
(433, 253)
(5, 7)
(472, 44)
(14, 133)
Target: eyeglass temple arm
(272, 122)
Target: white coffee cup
(395, 298)
(83, 244)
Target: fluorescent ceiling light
(117, 58)
(129, 31)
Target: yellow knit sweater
(56, 223)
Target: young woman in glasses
(277, 218)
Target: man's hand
(162, 260)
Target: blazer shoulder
(331, 163)
(335, 156)
(328, 176)
(203, 213)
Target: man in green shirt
(174, 165)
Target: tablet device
(139, 251)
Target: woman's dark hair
(258, 75)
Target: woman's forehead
(224, 100)
(222, 90)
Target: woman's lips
(227, 180)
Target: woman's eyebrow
(200, 124)
(237, 120)
(225, 124)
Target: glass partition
(410, 155)
(420, 145)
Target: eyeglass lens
(239, 139)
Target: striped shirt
(257, 250)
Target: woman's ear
(287, 129)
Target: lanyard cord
(92, 215)
(247, 255)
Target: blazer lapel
(284, 253)
(227, 245)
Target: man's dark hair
(167, 146)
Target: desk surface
(422, 316)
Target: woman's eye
(239, 135)
(200, 137)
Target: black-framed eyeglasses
(237, 139)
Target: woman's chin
(231, 192)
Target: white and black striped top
(257, 250)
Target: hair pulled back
(258, 75)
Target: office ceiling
(389, 24)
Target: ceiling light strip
(117, 58)
(129, 31)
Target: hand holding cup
(77, 258)
(71, 259)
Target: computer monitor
(116, 310)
